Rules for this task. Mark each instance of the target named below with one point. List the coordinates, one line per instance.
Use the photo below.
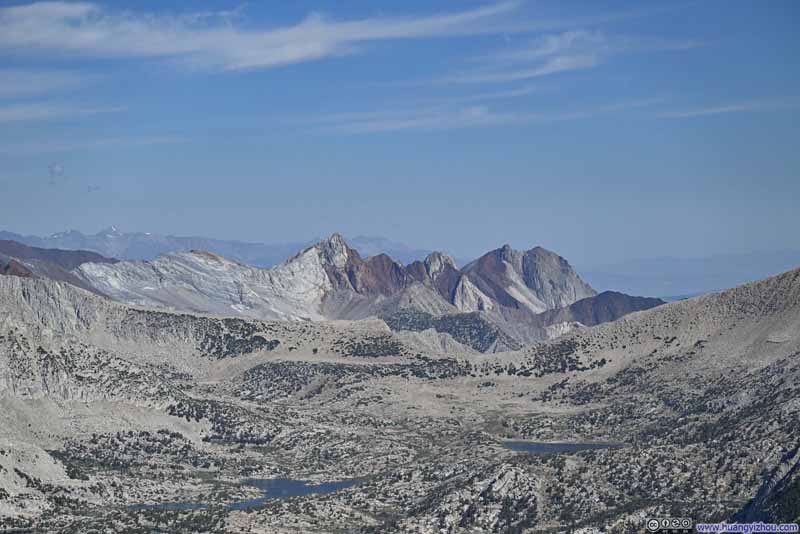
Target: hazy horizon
(630, 264)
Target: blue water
(282, 488)
(274, 488)
(534, 447)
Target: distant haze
(680, 277)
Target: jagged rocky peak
(437, 263)
(346, 269)
(335, 251)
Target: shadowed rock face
(605, 307)
(440, 271)
(21, 260)
(377, 275)
(66, 259)
(380, 274)
(778, 499)
(15, 268)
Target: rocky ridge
(330, 280)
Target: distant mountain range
(669, 278)
(330, 280)
(113, 243)
(500, 301)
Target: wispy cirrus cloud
(24, 82)
(45, 112)
(739, 107)
(488, 96)
(215, 39)
(562, 52)
(545, 68)
(581, 42)
(453, 118)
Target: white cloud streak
(581, 42)
(740, 107)
(213, 40)
(546, 68)
(489, 96)
(557, 53)
(448, 118)
(45, 112)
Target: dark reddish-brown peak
(15, 268)
(66, 259)
(377, 275)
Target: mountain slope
(603, 308)
(702, 396)
(778, 499)
(536, 280)
(204, 282)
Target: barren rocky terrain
(124, 419)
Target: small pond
(274, 488)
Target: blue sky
(601, 130)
